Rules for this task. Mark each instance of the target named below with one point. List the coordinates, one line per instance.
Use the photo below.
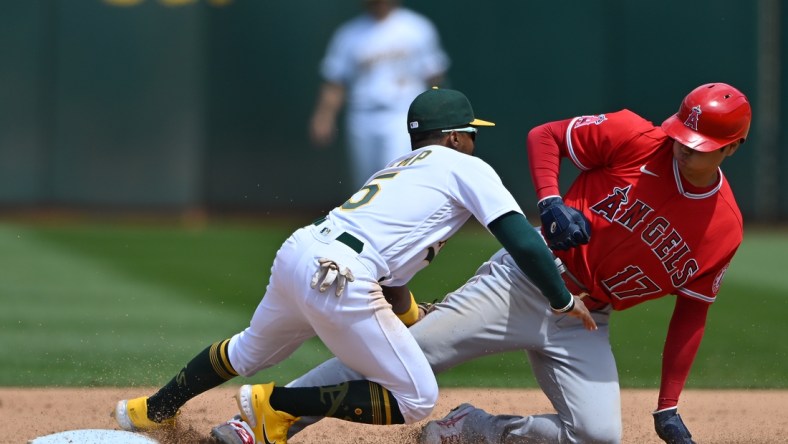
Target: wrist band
(568, 307)
(412, 315)
(541, 202)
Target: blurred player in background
(661, 219)
(376, 64)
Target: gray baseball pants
(500, 310)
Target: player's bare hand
(322, 131)
(581, 312)
(328, 272)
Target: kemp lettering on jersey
(653, 234)
(407, 211)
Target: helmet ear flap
(710, 116)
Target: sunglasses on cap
(470, 130)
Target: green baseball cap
(436, 109)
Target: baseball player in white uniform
(377, 63)
(385, 233)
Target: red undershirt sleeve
(546, 146)
(681, 345)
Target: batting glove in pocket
(328, 272)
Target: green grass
(124, 304)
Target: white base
(94, 436)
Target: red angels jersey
(653, 234)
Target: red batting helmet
(710, 117)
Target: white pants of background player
(359, 328)
(375, 137)
(500, 310)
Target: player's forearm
(398, 297)
(323, 124)
(530, 253)
(332, 95)
(403, 304)
(544, 157)
(681, 345)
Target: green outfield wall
(181, 104)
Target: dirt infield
(713, 416)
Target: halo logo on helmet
(726, 116)
(692, 119)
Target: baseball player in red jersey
(650, 214)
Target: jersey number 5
(367, 193)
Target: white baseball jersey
(408, 210)
(386, 63)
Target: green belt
(346, 238)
